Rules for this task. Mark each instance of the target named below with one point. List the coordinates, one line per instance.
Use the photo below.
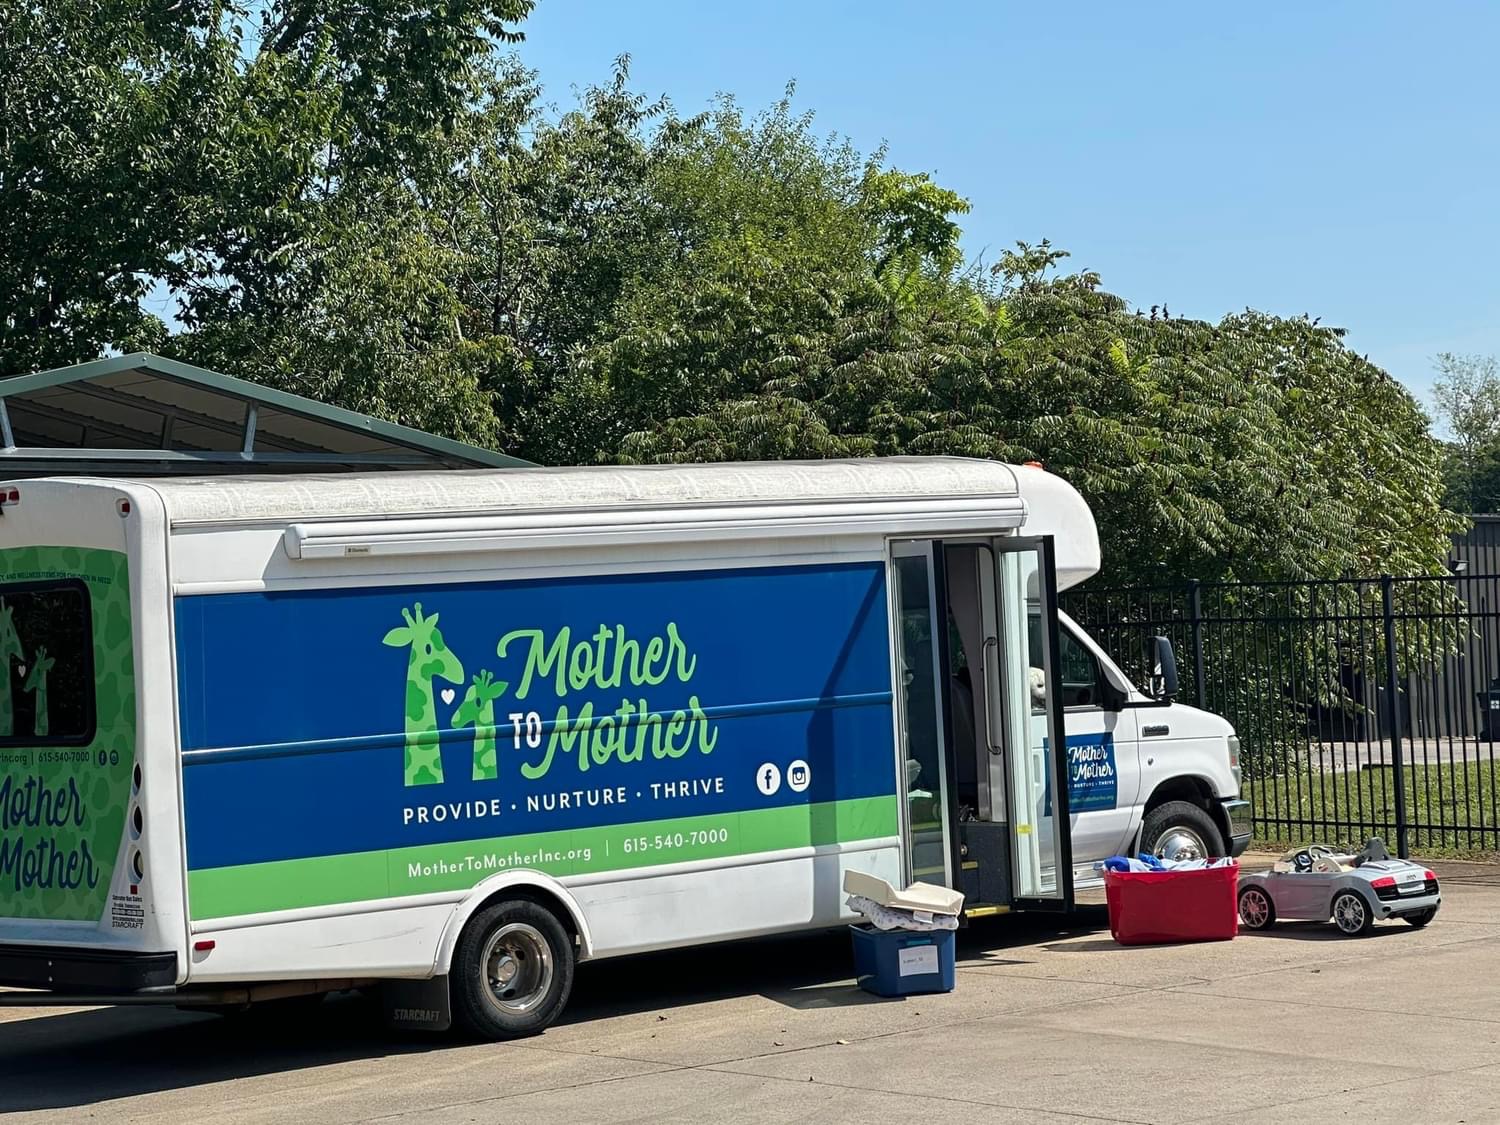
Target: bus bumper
(58, 968)
(1237, 817)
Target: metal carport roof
(142, 414)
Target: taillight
(1429, 876)
(1384, 881)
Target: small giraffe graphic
(478, 710)
(429, 657)
(10, 649)
(36, 683)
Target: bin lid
(918, 896)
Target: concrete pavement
(1047, 1024)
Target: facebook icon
(768, 778)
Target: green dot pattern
(103, 785)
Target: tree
(370, 205)
(450, 295)
(1467, 394)
(182, 143)
(1256, 448)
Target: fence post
(1392, 682)
(1195, 609)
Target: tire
(1261, 912)
(512, 971)
(1183, 827)
(1352, 914)
(1421, 917)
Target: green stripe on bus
(255, 888)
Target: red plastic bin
(1161, 907)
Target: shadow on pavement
(1286, 931)
(1324, 931)
(84, 1057)
(80, 1058)
(790, 970)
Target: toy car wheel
(1257, 911)
(1422, 917)
(512, 971)
(1351, 914)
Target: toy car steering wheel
(1303, 861)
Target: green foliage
(370, 205)
(98, 136)
(1467, 394)
(1258, 447)
(192, 144)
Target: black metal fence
(1365, 707)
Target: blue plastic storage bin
(902, 962)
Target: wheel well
(530, 892)
(1192, 789)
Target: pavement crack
(1324, 1004)
(426, 1110)
(985, 1103)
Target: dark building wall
(1479, 547)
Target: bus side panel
(356, 747)
(739, 901)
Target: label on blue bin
(917, 960)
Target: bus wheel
(1180, 830)
(512, 971)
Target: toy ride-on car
(1315, 883)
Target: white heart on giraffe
(448, 694)
(22, 669)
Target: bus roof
(906, 492)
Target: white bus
(449, 734)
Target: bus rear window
(46, 639)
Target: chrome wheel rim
(1255, 909)
(518, 968)
(1349, 914)
(1181, 843)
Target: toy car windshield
(1325, 860)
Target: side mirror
(1163, 684)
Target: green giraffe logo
(10, 649)
(36, 683)
(429, 657)
(478, 710)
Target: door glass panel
(1028, 718)
(920, 670)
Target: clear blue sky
(1339, 159)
